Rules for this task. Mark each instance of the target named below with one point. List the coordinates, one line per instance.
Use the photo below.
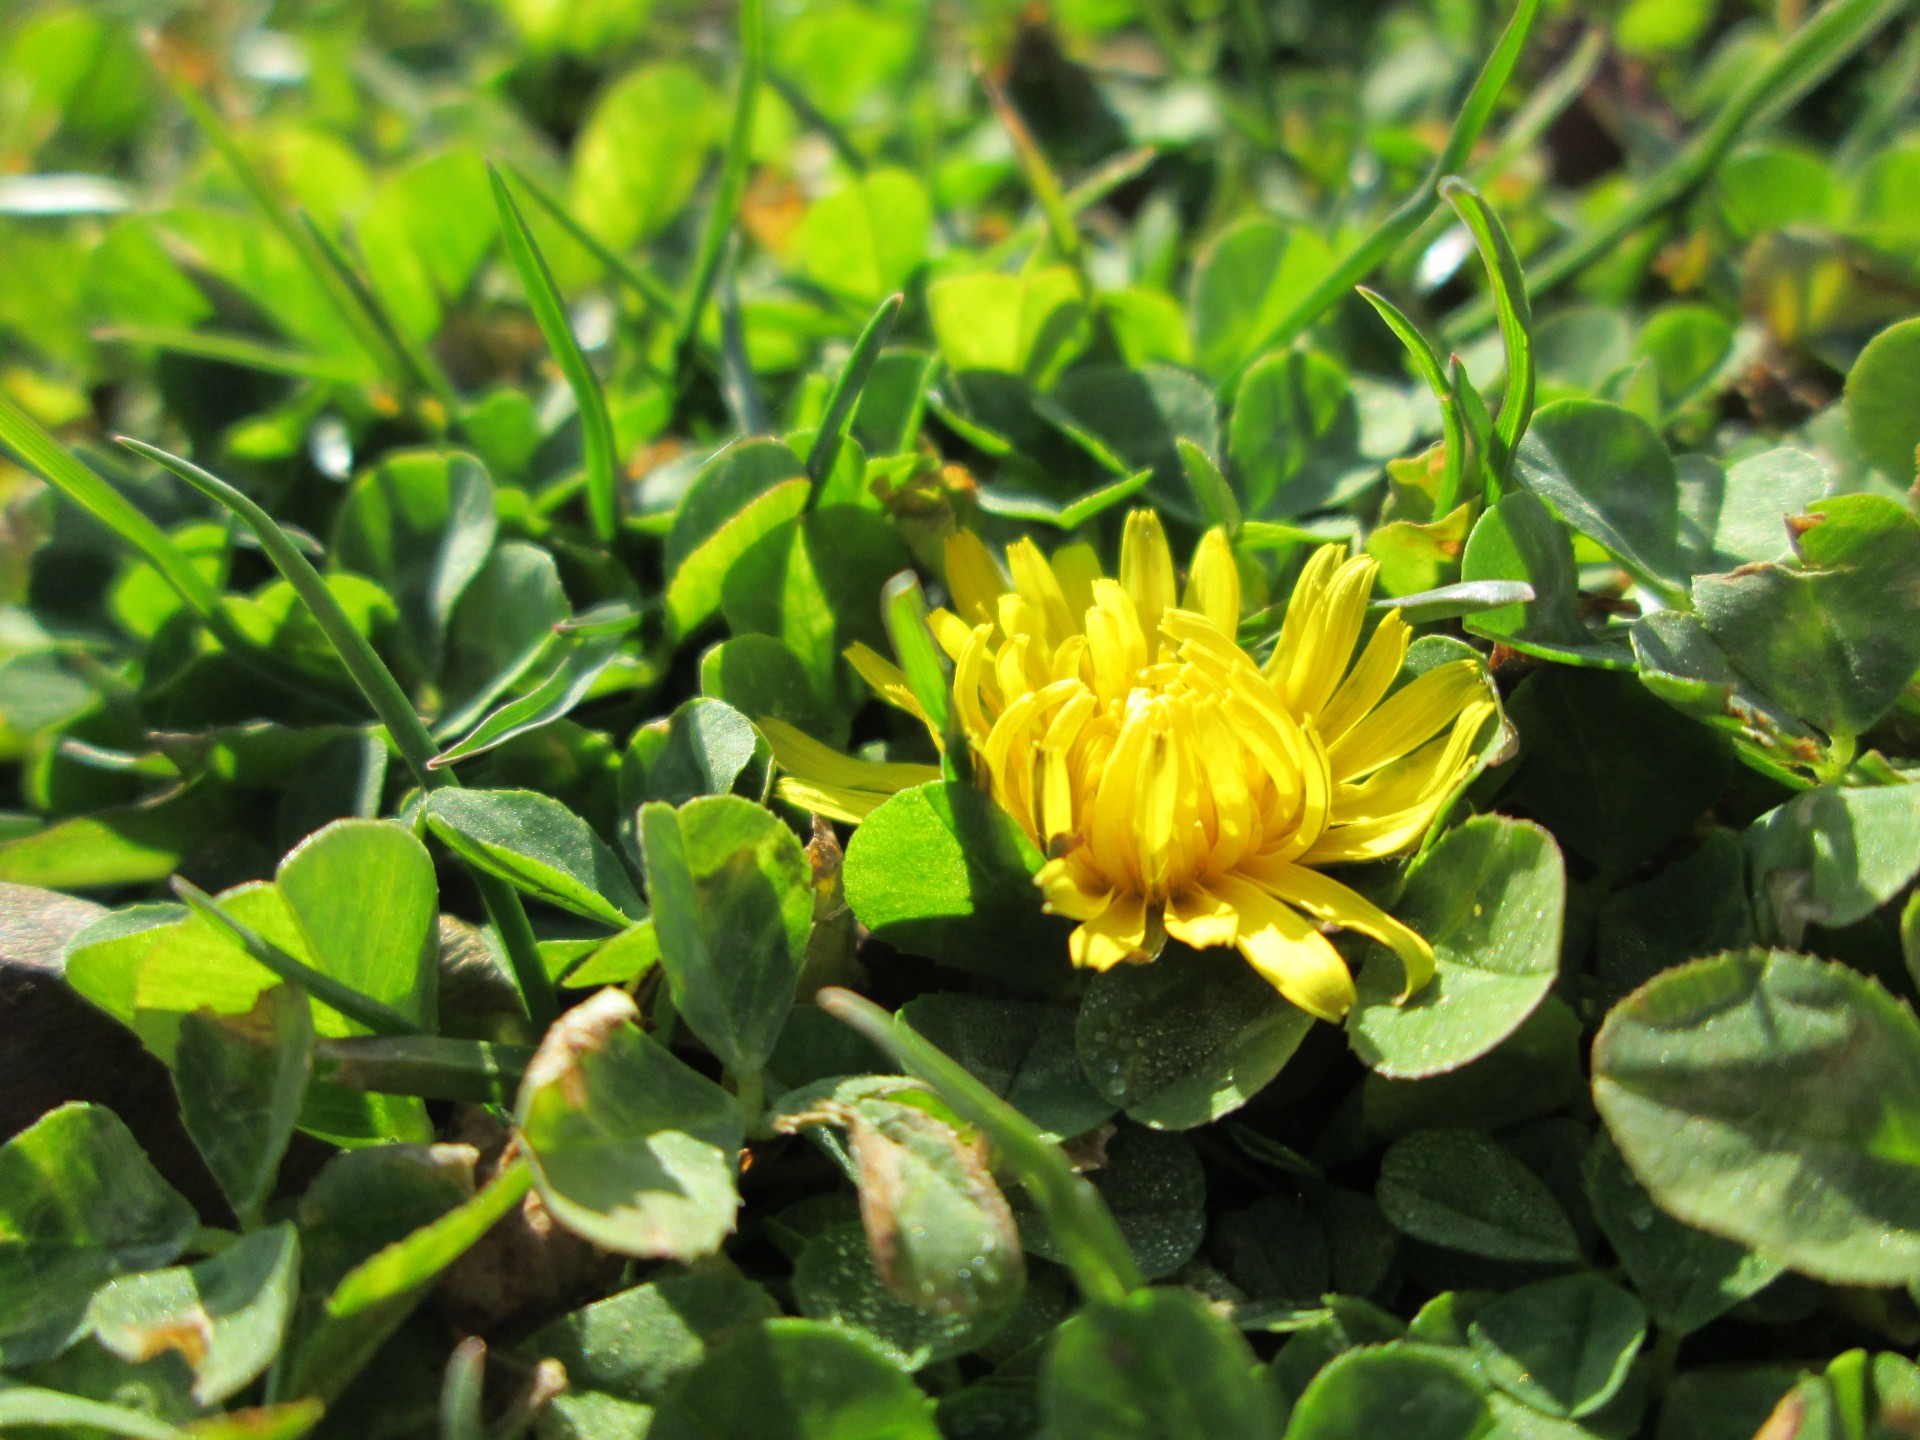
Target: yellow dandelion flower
(1177, 786)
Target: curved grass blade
(596, 425)
(731, 187)
(1090, 1242)
(1385, 238)
(314, 257)
(1813, 52)
(1101, 183)
(434, 1067)
(239, 350)
(1040, 179)
(390, 704)
(48, 458)
(322, 987)
(846, 394)
(647, 287)
(423, 371)
(1432, 369)
(1516, 316)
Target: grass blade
(366, 328)
(239, 350)
(648, 288)
(1089, 1240)
(1509, 288)
(48, 458)
(731, 187)
(1101, 183)
(846, 394)
(596, 424)
(422, 370)
(322, 987)
(1385, 238)
(390, 704)
(435, 1067)
(1815, 51)
(1041, 180)
(1432, 369)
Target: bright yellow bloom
(1177, 786)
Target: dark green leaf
(1519, 540)
(1489, 899)
(1461, 1190)
(1768, 1098)
(1156, 1190)
(1022, 1050)
(1836, 638)
(1832, 856)
(1563, 1345)
(1407, 1390)
(1883, 400)
(1616, 774)
(796, 1380)
(1686, 1276)
(227, 1315)
(420, 524)
(241, 1081)
(1187, 1039)
(629, 1349)
(1606, 472)
(1162, 1365)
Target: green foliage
(578, 399)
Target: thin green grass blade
(1385, 238)
(49, 459)
(1041, 180)
(1090, 1242)
(281, 216)
(648, 288)
(328, 991)
(1515, 310)
(731, 187)
(424, 372)
(846, 394)
(1432, 369)
(596, 424)
(239, 350)
(390, 704)
(1099, 184)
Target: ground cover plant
(844, 718)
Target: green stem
(1813, 53)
